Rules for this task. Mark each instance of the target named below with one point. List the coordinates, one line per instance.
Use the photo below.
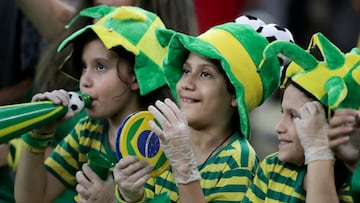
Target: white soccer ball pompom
(273, 32)
(254, 22)
(76, 102)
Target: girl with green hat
(304, 168)
(117, 61)
(217, 79)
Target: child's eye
(83, 67)
(185, 71)
(101, 67)
(294, 115)
(205, 74)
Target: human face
(116, 2)
(203, 95)
(100, 79)
(290, 149)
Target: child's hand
(312, 130)
(175, 140)
(344, 136)
(92, 188)
(130, 175)
(60, 97)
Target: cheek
(112, 85)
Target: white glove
(175, 140)
(312, 130)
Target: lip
(284, 141)
(187, 99)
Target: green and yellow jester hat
(239, 49)
(334, 80)
(134, 29)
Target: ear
(134, 85)
(234, 101)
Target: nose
(85, 79)
(187, 83)
(280, 126)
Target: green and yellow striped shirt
(225, 176)
(278, 181)
(68, 156)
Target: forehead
(294, 98)
(95, 48)
(197, 59)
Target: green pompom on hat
(334, 80)
(239, 49)
(134, 29)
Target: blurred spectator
(178, 15)
(21, 46)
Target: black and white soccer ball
(254, 22)
(76, 102)
(273, 32)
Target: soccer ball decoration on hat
(273, 32)
(254, 22)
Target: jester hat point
(132, 28)
(239, 49)
(333, 80)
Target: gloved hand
(175, 140)
(312, 129)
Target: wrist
(42, 133)
(119, 197)
(36, 143)
(185, 175)
(318, 153)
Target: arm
(176, 143)
(48, 16)
(312, 131)
(33, 183)
(191, 192)
(320, 182)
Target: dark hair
(231, 89)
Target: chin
(285, 157)
(282, 156)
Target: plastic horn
(18, 119)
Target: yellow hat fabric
(239, 49)
(134, 29)
(333, 80)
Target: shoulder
(92, 125)
(241, 151)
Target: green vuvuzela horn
(18, 119)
